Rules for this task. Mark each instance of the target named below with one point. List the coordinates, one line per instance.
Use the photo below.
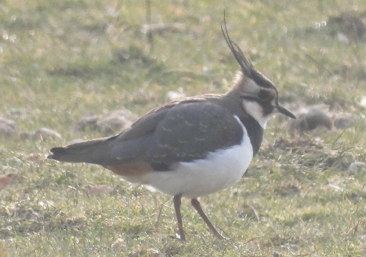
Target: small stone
(343, 121)
(356, 166)
(314, 117)
(116, 122)
(8, 128)
(87, 122)
(108, 125)
(363, 101)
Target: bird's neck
(254, 128)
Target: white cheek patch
(256, 111)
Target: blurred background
(76, 70)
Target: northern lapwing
(193, 147)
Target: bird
(191, 147)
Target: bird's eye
(264, 95)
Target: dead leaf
(7, 179)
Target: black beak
(286, 112)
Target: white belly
(221, 169)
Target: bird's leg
(177, 202)
(196, 204)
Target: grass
(63, 60)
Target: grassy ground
(63, 60)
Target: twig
(149, 34)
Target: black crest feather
(245, 64)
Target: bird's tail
(92, 151)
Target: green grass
(63, 60)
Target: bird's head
(259, 95)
